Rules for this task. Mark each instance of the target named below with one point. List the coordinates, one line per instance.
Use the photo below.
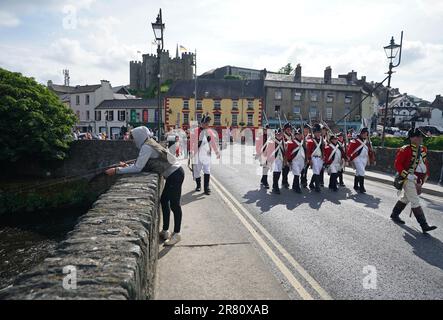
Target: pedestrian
(333, 158)
(306, 136)
(315, 152)
(154, 157)
(412, 166)
(341, 142)
(296, 156)
(279, 156)
(287, 131)
(358, 152)
(201, 151)
(262, 154)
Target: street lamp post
(158, 27)
(391, 52)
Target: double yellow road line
(252, 226)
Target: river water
(25, 245)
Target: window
(277, 94)
(185, 104)
(330, 97)
(217, 104)
(98, 116)
(178, 120)
(277, 108)
(297, 96)
(199, 117)
(296, 110)
(109, 115)
(121, 115)
(87, 115)
(234, 120)
(77, 100)
(250, 120)
(314, 96)
(234, 104)
(185, 118)
(348, 99)
(87, 99)
(217, 119)
(329, 113)
(250, 105)
(199, 105)
(313, 112)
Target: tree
(34, 124)
(287, 69)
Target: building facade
(434, 114)
(143, 74)
(111, 115)
(244, 73)
(313, 99)
(230, 103)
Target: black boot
(356, 180)
(333, 182)
(296, 184)
(275, 187)
(285, 174)
(317, 182)
(362, 184)
(207, 178)
(421, 219)
(322, 178)
(312, 183)
(395, 215)
(304, 178)
(199, 184)
(264, 182)
(340, 178)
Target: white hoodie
(141, 134)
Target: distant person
(156, 158)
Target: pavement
(242, 242)
(216, 259)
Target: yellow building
(230, 103)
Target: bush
(432, 143)
(34, 124)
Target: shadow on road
(368, 200)
(425, 246)
(192, 196)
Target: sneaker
(175, 238)
(164, 235)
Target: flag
(183, 49)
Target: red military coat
(328, 151)
(311, 146)
(404, 158)
(290, 147)
(352, 148)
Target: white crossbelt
(334, 151)
(362, 144)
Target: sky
(96, 39)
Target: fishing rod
(58, 181)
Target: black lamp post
(391, 51)
(158, 28)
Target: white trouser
(334, 167)
(198, 168)
(278, 165)
(409, 194)
(360, 166)
(297, 166)
(317, 165)
(265, 170)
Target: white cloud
(8, 20)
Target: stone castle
(144, 74)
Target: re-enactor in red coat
(412, 165)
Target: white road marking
(229, 199)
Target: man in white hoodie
(156, 158)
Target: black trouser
(304, 176)
(170, 199)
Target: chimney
(297, 76)
(50, 83)
(328, 74)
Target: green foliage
(34, 124)
(287, 69)
(432, 143)
(233, 77)
(151, 92)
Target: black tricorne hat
(287, 126)
(205, 119)
(317, 127)
(417, 132)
